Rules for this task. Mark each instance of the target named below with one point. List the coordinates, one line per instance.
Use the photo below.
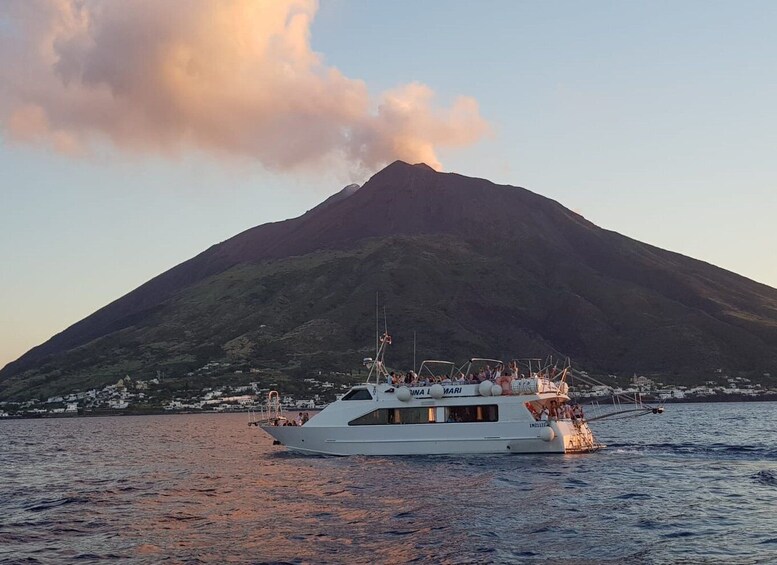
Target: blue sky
(653, 119)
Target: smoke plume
(230, 77)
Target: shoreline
(160, 412)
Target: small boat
(509, 412)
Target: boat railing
(510, 386)
(614, 403)
(271, 411)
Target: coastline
(712, 399)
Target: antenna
(377, 330)
(414, 351)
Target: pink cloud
(235, 78)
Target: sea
(696, 484)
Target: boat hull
(437, 439)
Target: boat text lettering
(425, 391)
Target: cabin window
(358, 394)
(374, 418)
(487, 413)
(384, 416)
(427, 415)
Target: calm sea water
(697, 484)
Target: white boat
(516, 414)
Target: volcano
(468, 266)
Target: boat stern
(576, 436)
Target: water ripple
(690, 486)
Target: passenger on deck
(544, 414)
(553, 411)
(305, 418)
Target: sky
(134, 135)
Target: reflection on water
(695, 484)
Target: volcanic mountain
(472, 267)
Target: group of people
(557, 411)
(498, 375)
(298, 421)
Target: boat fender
(485, 388)
(547, 434)
(436, 391)
(403, 394)
(496, 390)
